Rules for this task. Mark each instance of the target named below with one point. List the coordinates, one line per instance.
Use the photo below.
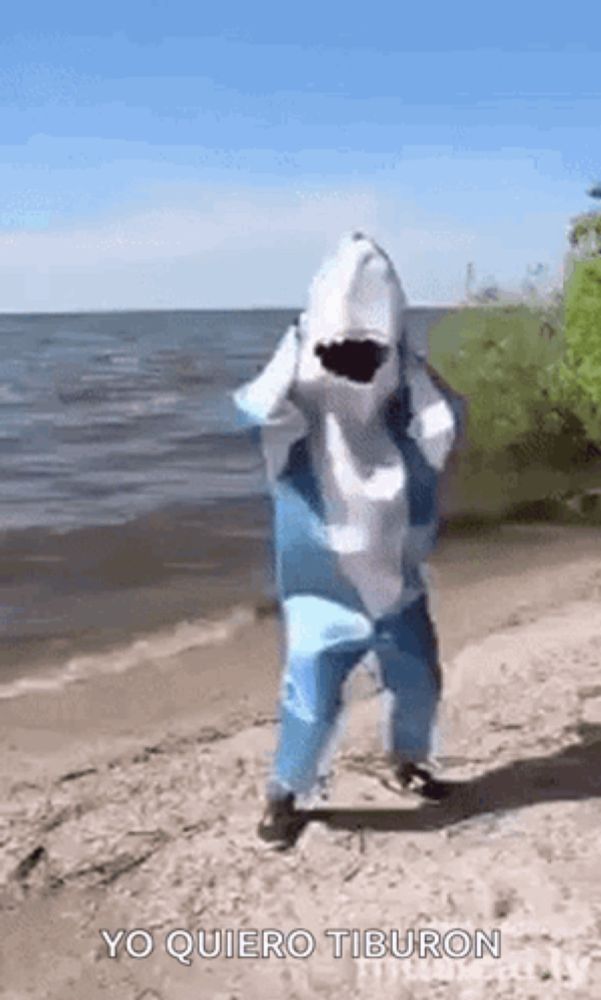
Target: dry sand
(153, 825)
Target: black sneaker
(415, 778)
(281, 822)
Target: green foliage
(501, 360)
(528, 432)
(578, 378)
(531, 377)
(586, 232)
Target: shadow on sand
(570, 774)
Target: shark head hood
(352, 330)
(341, 363)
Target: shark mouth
(356, 360)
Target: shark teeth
(355, 337)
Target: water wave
(148, 650)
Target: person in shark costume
(356, 429)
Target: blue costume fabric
(356, 430)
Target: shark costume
(356, 430)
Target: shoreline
(479, 582)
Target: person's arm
(437, 413)
(457, 403)
(265, 402)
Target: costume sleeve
(266, 402)
(457, 403)
(437, 413)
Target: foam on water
(147, 651)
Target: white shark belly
(367, 515)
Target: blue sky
(180, 154)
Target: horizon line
(171, 309)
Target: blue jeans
(315, 672)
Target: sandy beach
(132, 799)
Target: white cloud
(242, 248)
(219, 249)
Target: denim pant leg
(311, 700)
(408, 653)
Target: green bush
(525, 433)
(577, 381)
(502, 360)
